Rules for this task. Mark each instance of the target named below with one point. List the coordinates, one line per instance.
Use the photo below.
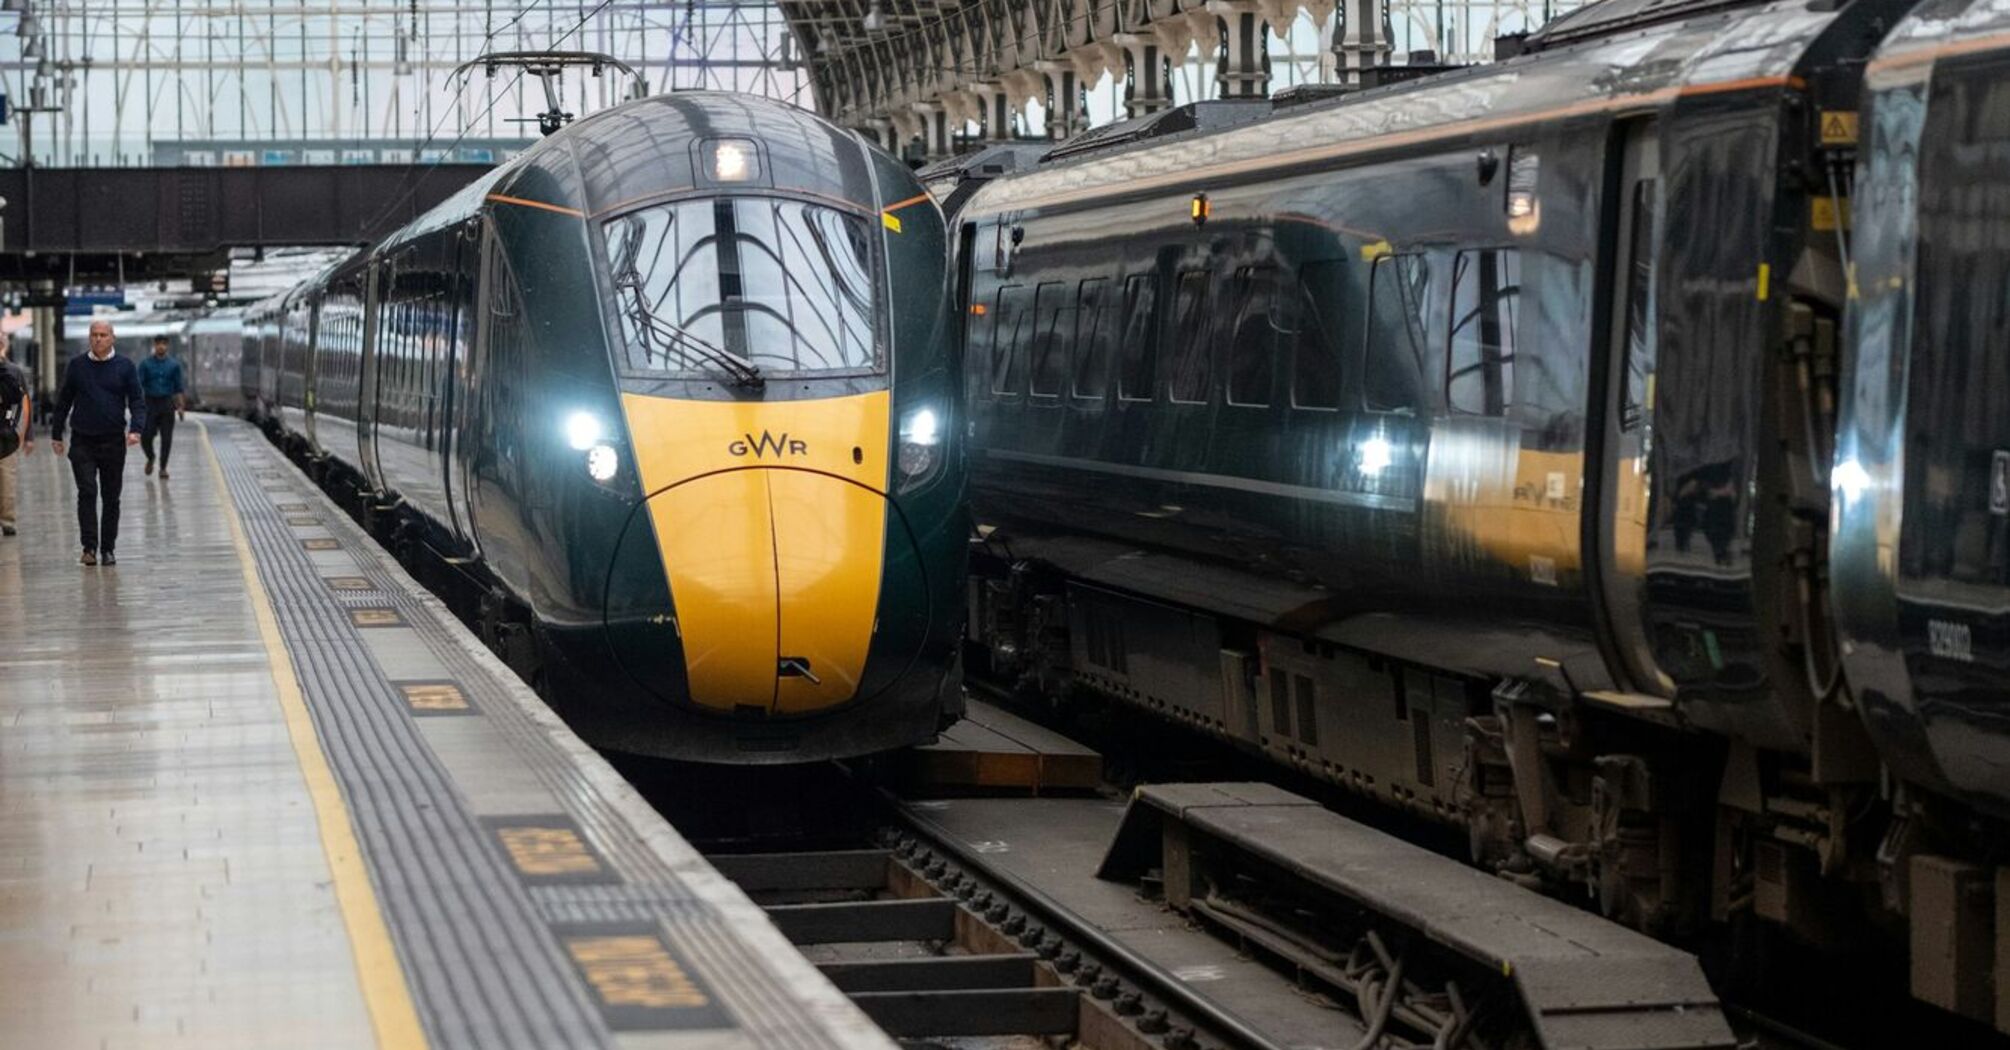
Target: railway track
(925, 913)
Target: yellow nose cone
(771, 522)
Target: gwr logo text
(760, 447)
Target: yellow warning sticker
(1829, 213)
(546, 852)
(890, 221)
(1765, 281)
(1839, 127)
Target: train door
(370, 376)
(459, 265)
(1625, 451)
(310, 339)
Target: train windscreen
(755, 286)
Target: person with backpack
(100, 399)
(15, 439)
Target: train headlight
(582, 431)
(602, 462)
(920, 446)
(1376, 455)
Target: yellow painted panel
(718, 548)
(830, 538)
(675, 440)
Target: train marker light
(1200, 209)
(601, 462)
(1850, 480)
(734, 160)
(582, 431)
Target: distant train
(676, 392)
(1545, 449)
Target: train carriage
(1463, 442)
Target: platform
(259, 789)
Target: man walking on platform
(162, 383)
(101, 397)
(15, 441)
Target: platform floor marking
(385, 990)
(376, 617)
(638, 979)
(435, 698)
(549, 849)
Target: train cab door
(1625, 450)
(370, 377)
(460, 267)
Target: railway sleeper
(931, 948)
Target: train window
(1392, 374)
(1639, 348)
(1191, 374)
(1252, 349)
(1092, 340)
(1053, 324)
(1139, 379)
(1009, 338)
(783, 285)
(1486, 290)
(1315, 361)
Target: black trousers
(99, 463)
(160, 420)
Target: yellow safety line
(385, 992)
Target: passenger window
(1252, 352)
(1486, 289)
(1054, 322)
(1315, 360)
(1141, 339)
(1191, 376)
(1008, 339)
(1392, 375)
(1639, 348)
(1092, 340)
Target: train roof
(1943, 28)
(1755, 45)
(617, 158)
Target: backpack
(12, 390)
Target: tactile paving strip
(485, 943)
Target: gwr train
(677, 389)
(1468, 442)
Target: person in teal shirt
(162, 383)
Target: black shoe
(164, 473)
(150, 465)
(6, 530)
(90, 557)
(108, 558)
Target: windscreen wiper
(744, 373)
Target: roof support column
(1150, 88)
(1244, 68)
(1364, 39)
(995, 102)
(1067, 102)
(935, 129)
